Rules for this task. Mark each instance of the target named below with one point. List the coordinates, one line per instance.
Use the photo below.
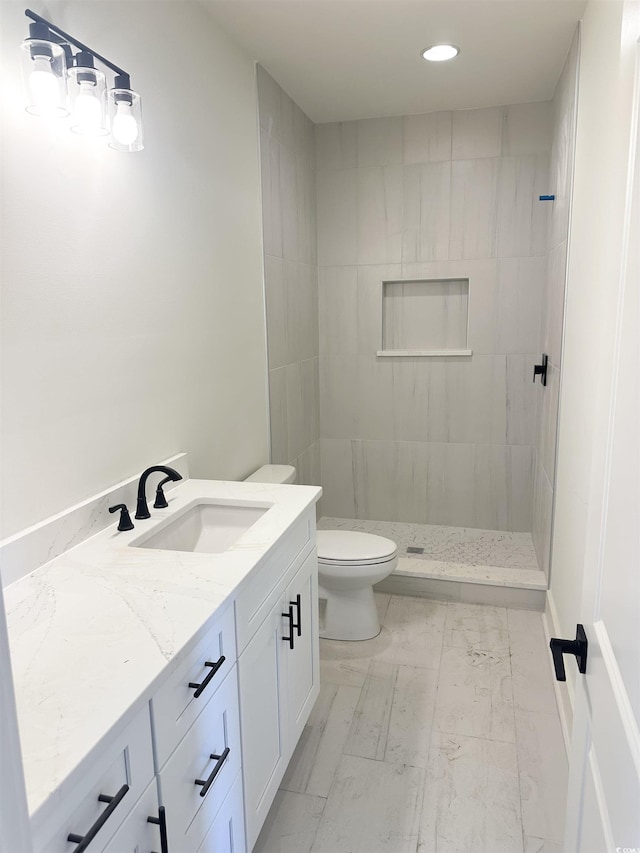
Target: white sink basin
(207, 527)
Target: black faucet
(142, 510)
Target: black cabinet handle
(298, 605)
(577, 647)
(161, 821)
(207, 783)
(83, 841)
(200, 688)
(289, 616)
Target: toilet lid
(351, 546)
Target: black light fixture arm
(123, 80)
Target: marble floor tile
(368, 733)
(316, 758)
(471, 797)
(542, 763)
(530, 663)
(373, 807)
(415, 627)
(348, 662)
(291, 824)
(411, 716)
(474, 694)
(477, 626)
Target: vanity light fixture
(440, 52)
(59, 82)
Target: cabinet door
(303, 666)
(227, 831)
(262, 678)
(137, 835)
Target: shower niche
(425, 317)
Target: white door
(603, 808)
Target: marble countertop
(92, 631)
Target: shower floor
(463, 554)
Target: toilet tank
(273, 474)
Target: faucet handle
(125, 522)
(161, 501)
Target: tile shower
(448, 202)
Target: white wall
(605, 100)
(132, 315)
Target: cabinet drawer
(137, 835)
(255, 600)
(227, 830)
(216, 729)
(129, 762)
(177, 704)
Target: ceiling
(348, 59)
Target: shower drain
(413, 550)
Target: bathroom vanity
(164, 675)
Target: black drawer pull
(161, 821)
(83, 841)
(298, 605)
(289, 616)
(206, 784)
(200, 688)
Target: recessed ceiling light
(440, 52)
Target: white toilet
(349, 563)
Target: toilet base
(350, 615)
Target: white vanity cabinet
(279, 683)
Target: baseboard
(564, 689)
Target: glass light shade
(88, 98)
(125, 119)
(44, 68)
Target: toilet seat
(353, 548)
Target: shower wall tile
(337, 145)
(548, 421)
(287, 157)
(370, 279)
(289, 201)
(308, 466)
(275, 193)
(522, 218)
(269, 103)
(277, 343)
(279, 416)
(427, 204)
(336, 465)
(287, 133)
(444, 195)
(505, 305)
(553, 304)
(477, 133)
(380, 209)
(527, 129)
(542, 516)
(337, 195)
(380, 141)
(474, 196)
(339, 310)
(427, 137)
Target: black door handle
(83, 841)
(289, 616)
(161, 821)
(577, 647)
(298, 605)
